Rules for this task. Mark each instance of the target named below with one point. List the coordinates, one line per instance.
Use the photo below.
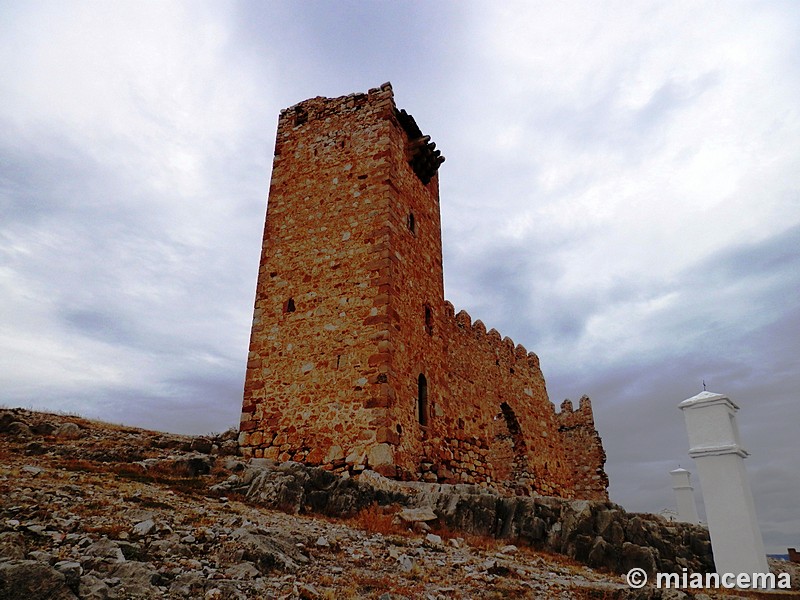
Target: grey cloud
(670, 97)
(41, 178)
(103, 325)
(777, 258)
(200, 402)
(512, 287)
(207, 400)
(331, 49)
(100, 253)
(603, 122)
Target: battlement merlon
(584, 406)
(570, 417)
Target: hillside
(97, 511)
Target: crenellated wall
(356, 360)
(494, 422)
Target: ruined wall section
(583, 449)
(313, 387)
(495, 423)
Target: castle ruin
(356, 359)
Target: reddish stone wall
(493, 413)
(320, 311)
(583, 449)
(351, 327)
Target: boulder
(202, 445)
(43, 428)
(641, 557)
(243, 570)
(137, 580)
(143, 528)
(294, 488)
(598, 533)
(101, 555)
(32, 580)
(188, 585)
(416, 515)
(68, 431)
(268, 552)
(12, 545)
(71, 571)
(192, 465)
(603, 555)
(18, 429)
(93, 588)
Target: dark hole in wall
(422, 400)
(428, 320)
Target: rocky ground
(96, 511)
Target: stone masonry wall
(494, 422)
(356, 360)
(583, 449)
(319, 314)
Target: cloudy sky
(621, 195)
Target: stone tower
(356, 360)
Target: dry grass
(367, 585)
(379, 519)
(111, 530)
(483, 542)
(383, 519)
(79, 465)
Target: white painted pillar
(714, 445)
(684, 494)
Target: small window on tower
(422, 400)
(289, 306)
(428, 320)
(412, 223)
(300, 116)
